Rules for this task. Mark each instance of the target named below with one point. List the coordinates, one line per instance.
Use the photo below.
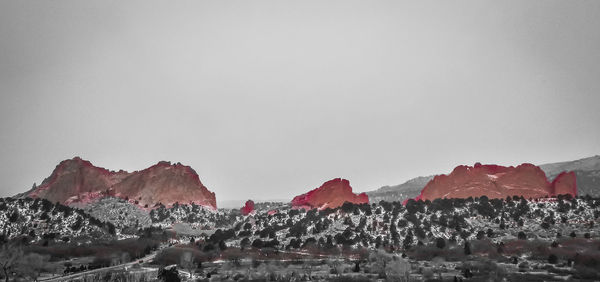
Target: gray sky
(268, 99)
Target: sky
(269, 99)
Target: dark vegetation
(482, 236)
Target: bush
(168, 274)
(440, 243)
(552, 259)
(467, 248)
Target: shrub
(440, 243)
(552, 259)
(467, 248)
(168, 275)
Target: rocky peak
(331, 194)
(247, 208)
(77, 182)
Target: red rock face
(565, 183)
(77, 182)
(331, 194)
(496, 181)
(248, 208)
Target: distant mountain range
(587, 172)
(76, 182)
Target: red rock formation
(76, 177)
(165, 183)
(331, 194)
(248, 208)
(565, 183)
(496, 181)
(77, 182)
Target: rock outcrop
(587, 174)
(496, 181)
(77, 182)
(247, 208)
(331, 194)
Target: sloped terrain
(119, 212)
(409, 189)
(36, 220)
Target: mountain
(77, 182)
(585, 164)
(495, 181)
(331, 194)
(408, 189)
(587, 174)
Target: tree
(187, 262)
(467, 273)
(480, 234)
(33, 264)
(467, 248)
(257, 243)
(14, 216)
(552, 259)
(440, 242)
(408, 240)
(111, 229)
(397, 269)
(169, 274)
(9, 257)
(245, 243)
(222, 245)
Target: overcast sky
(268, 99)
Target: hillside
(409, 189)
(123, 214)
(35, 220)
